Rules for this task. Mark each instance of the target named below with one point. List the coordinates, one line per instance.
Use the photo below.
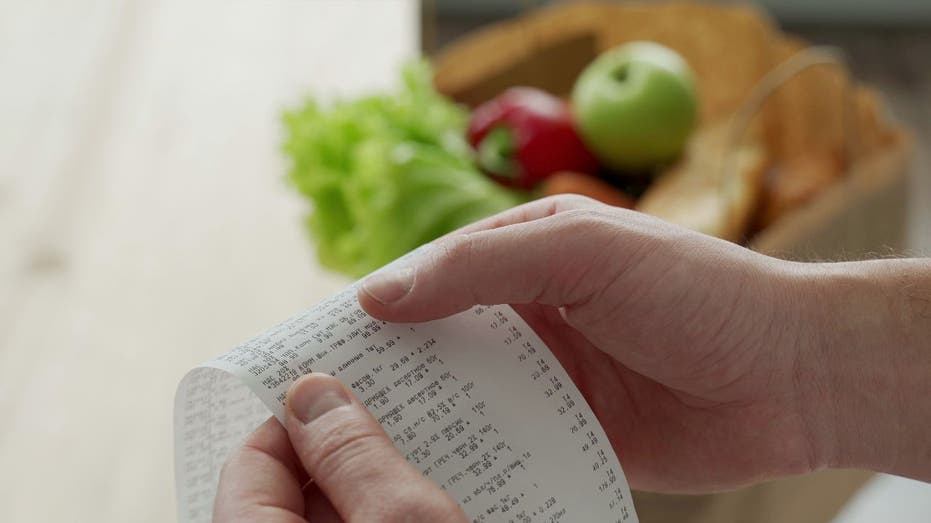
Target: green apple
(635, 105)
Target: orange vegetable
(568, 182)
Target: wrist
(862, 371)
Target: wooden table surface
(144, 222)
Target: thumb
(350, 458)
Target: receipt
(476, 401)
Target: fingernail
(314, 395)
(389, 287)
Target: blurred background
(146, 224)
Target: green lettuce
(386, 173)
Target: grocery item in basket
(524, 135)
(636, 105)
(715, 188)
(386, 173)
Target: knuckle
(230, 463)
(582, 219)
(456, 250)
(460, 256)
(236, 459)
(422, 505)
(349, 448)
(568, 201)
(576, 201)
(443, 508)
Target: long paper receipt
(475, 401)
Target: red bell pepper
(524, 135)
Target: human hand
(357, 474)
(687, 348)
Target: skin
(709, 366)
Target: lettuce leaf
(386, 173)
